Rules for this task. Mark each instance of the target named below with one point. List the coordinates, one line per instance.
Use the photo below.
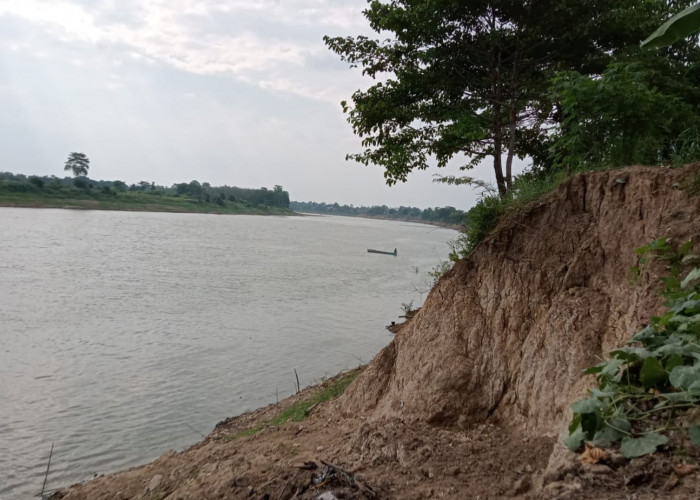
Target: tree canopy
(473, 80)
(78, 163)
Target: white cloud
(169, 32)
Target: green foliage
(645, 388)
(298, 411)
(20, 190)
(630, 115)
(471, 80)
(78, 163)
(682, 25)
(439, 270)
(408, 309)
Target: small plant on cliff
(438, 271)
(408, 309)
(649, 391)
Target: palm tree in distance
(78, 163)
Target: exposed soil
(386, 458)
(469, 399)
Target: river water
(124, 334)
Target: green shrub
(646, 388)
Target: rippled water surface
(125, 334)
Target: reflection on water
(123, 334)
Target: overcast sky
(237, 92)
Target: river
(124, 334)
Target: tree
(636, 112)
(643, 109)
(471, 79)
(78, 163)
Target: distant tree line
(201, 192)
(445, 215)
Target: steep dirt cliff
(468, 399)
(505, 335)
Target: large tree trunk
(496, 96)
(511, 147)
(513, 115)
(498, 152)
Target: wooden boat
(394, 253)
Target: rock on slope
(505, 335)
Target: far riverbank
(133, 201)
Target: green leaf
(592, 370)
(586, 405)
(675, 350)
(575, 422)
(631, 353)
(575, 439)
(652, 373)
(612, 367)
(692, 276)
(688, 245)
(644, 445)
(606, 436)
(611, 431)
(598, 394)
(683, 377)
(591, 423)
(694, 388)
(620, 423)
(694, 432)
(645, 334)
(673, 361)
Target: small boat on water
(394, 253)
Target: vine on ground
(649, 391)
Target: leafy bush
(37, 181)
(646, 388)
(16, 186)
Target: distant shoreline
(444, 225)
(137, 204)
(176, 205)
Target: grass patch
(693, 186)
(330, 390)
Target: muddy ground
(327, 456)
